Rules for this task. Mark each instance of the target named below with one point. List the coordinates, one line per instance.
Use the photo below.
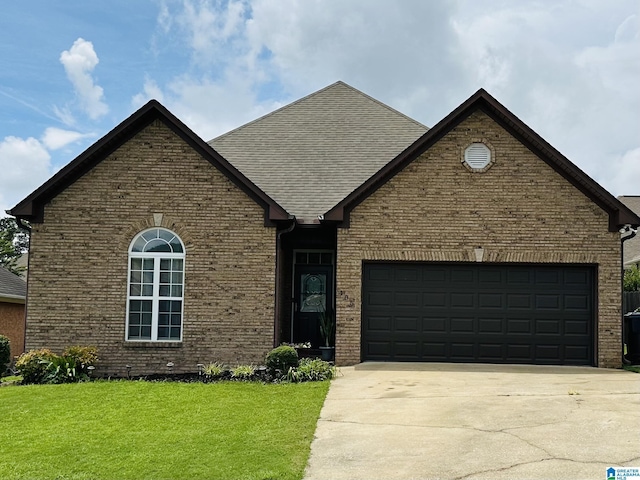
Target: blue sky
(70, 71)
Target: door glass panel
(313, 292)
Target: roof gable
(32, 207)
(619, 214)
(312, 153)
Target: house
(13, 294)
(472, 241)
(631, 248)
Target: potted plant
(327, 331)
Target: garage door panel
(434, 324)
(478, 313)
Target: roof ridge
(312, 94)
(382, 104)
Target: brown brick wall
(520, 210)
(78, 263)
(12, 325)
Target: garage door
(478, 313)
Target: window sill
(134, 344)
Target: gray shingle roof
(631, 253)
(11, 286)
(311, 154)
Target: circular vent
(477, 156)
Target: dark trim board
(479, 313)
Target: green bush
(83, 357)
(282, 358)
(631, 279)
(215, 370)
(243, 372)
(33, 365)
(311, 370)
(63, 370)
(5, 354)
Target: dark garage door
(478, 313)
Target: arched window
(156, 286)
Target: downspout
(634, 232)
(27, 229)
(278, 285)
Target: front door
(313, 294)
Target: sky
(71, 71)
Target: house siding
(79, 259)
(519, 211)
(12, 326)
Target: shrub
(243, 372)
(83, 357)
(282, 358)
(215, 370)
(311, 370)
(33, 365)
(63, 370)
(631, 279)
(5, 354)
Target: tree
(631, 280)
(13, 243)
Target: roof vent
(477, 156)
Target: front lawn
(158, 430)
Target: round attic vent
(477, 156)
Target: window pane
(134, 305)
(176, 306)
(163, 332)
(157, 246)
(165, 264)
(135, 290)
(177, 247)
(147, 264)
(147, 290)
(146, 318)
(164, 291)
(326, 259)
(136, 276)
(165, 277)
(166, 235)
(136, 264)
(150, 235)
(175, 319)
(314, 258)
(145, 332)
(175, 333)
(176, 278)
(147, 277)
(178, 264)
(301, 257)
(134, 332)
(163, 319)
(176, 291)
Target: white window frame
(155, 298)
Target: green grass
(632, 368)
(164, 430)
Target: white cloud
(150, 91)
(55, 138)
(623, 174)
(25, 164)
(79, 62)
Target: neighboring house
(631, 248)
(13, 292)
(472, 241)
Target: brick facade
(12, 325)
(79, 259)
(520, 210)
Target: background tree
(13, 243)
(631, 279)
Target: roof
(631, 249)
(31, 208)
(12, 287)
(312, 153)
(619, 214)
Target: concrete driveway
(427, 421)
